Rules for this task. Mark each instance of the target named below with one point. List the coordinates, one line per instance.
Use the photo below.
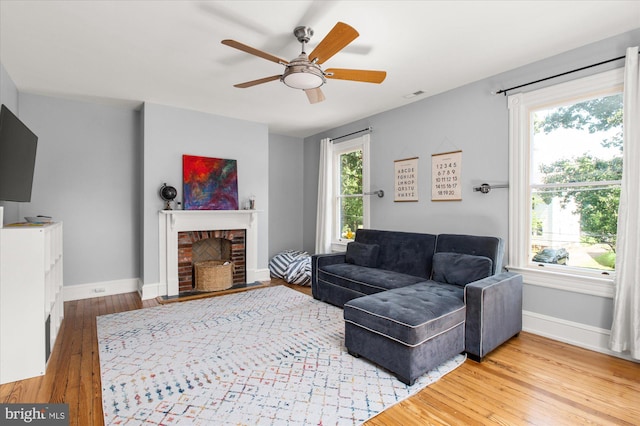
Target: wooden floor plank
(87, 375)
(67, 342)
(574, 382)
(27, 390)
(96, 384)
(515, 397)
(72, 394)
(124, 303)
(528, 380)
(5, 392)
(493, 404)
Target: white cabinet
(31, 303)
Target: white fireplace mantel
(173, 221)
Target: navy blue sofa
(445, 274)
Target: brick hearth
(186, 239)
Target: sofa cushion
(460, 269)
(362, 279)
(362, 254)
(410, 315)
(491, 247)
(405, 252)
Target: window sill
(585, 284)
(339, 246)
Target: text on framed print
(406, 179)
(446, 176)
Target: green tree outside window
(596, 208)
(351, 193)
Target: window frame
(579, 280)
(363, 143)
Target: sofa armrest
(320, 260)
(494, 312)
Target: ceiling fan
(304, 72)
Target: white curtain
(625, 331)
(325, 183)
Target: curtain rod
(558, 75)
(368, 129)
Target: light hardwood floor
(528, 380)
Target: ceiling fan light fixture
(307, 75)
(303, 77)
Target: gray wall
(99, 168)
(442, 123)
(8, 90)
(473, 120)
(85, 176)
(285, 193)
(171, 132)
(9, 97)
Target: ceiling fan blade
(337, 39)
(315, 95)
(256, 82)
(254, 51)
(366, 76)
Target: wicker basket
(214, 275)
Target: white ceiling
(169, 52)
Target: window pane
(576, 167)
(351, 218)
(351, 173)
(577, 142)
(581, 220)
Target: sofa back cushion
(362, 254)
(460, 269)
(491, 247)
(405, 252)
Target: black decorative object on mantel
(168, 194)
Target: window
(565, 172)
(351, 181)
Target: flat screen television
(17, 157)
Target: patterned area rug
(270, 356)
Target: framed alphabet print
(406, 179)
(445, 176)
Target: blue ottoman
(408, 330)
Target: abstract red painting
(209, 183)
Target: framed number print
(445, 176)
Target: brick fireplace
(202, 225)
(197, 246)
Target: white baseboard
(151, 291)
(263, 274)
(573, 333)
(105, 288)
(146, 291)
